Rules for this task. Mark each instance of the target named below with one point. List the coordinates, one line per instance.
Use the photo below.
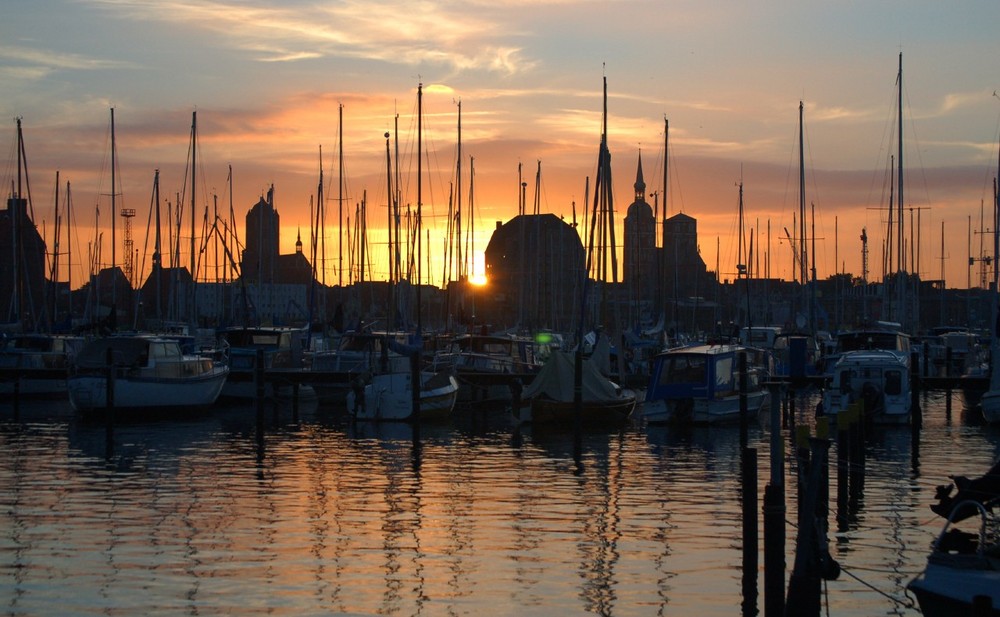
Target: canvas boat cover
(555, 380)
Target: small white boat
(701, 385)
(879, 379)
(149, 372)
(962, 576)
(389, 397)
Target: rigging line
(907, 603)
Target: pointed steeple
(640, 184)
(298, 241)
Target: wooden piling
(774, 514)
(258, 380)
(109, 404)
(748, 465)
(744, 419)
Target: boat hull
(389, 397)
(944, 591)
(539, 411)
(724, 410)
(89, 392)
(990, 404)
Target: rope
(907, 603)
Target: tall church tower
(640, 273)
(261, 254)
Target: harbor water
(320, 516)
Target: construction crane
(797, 259)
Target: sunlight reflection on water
(192, 516)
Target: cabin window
(724, 374)
(893, 382)
(683, 369)
(157, 350)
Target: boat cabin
(703, 371)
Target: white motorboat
(879, 379)
(147, 372)
(701, 385)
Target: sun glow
(479, 280)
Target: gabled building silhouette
(535, 266)
(22, 277)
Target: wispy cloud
(35, 62)
(393, 32)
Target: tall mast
(388, 179)
(340, 195)
(157, 243)
(663, 226)
(54, 277)
(900, 287)
(69, 250)
(114, 191)
(462, 270)
(194, 168)
(803, 256)
(420, 117)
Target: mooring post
(982, 606)
(844, 420)
(109, 403)
(916, 383)
(774, 514)
(17, 398)
(804, 585)
(748, 464)
(744, 420)
(258, 380)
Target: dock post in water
(748, 465)
(774, 515)
(109, 403)
(744, 420)
(916, 383)
(812, 559)
(258, 381)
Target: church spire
(298, 241)
(640, 184)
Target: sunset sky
(267, 80)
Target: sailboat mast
(69, 252)
(194, 168)
(340, 195)
(420, 130)
(462, 269)
(114, 191)
(663, 226)
(388, 179)
(803, 258)
(157, 256)
(899, 174)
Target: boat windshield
(683, 369)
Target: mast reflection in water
(327, 517)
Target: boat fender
(829, 569)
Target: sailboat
(404, 391)
(990, 403)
